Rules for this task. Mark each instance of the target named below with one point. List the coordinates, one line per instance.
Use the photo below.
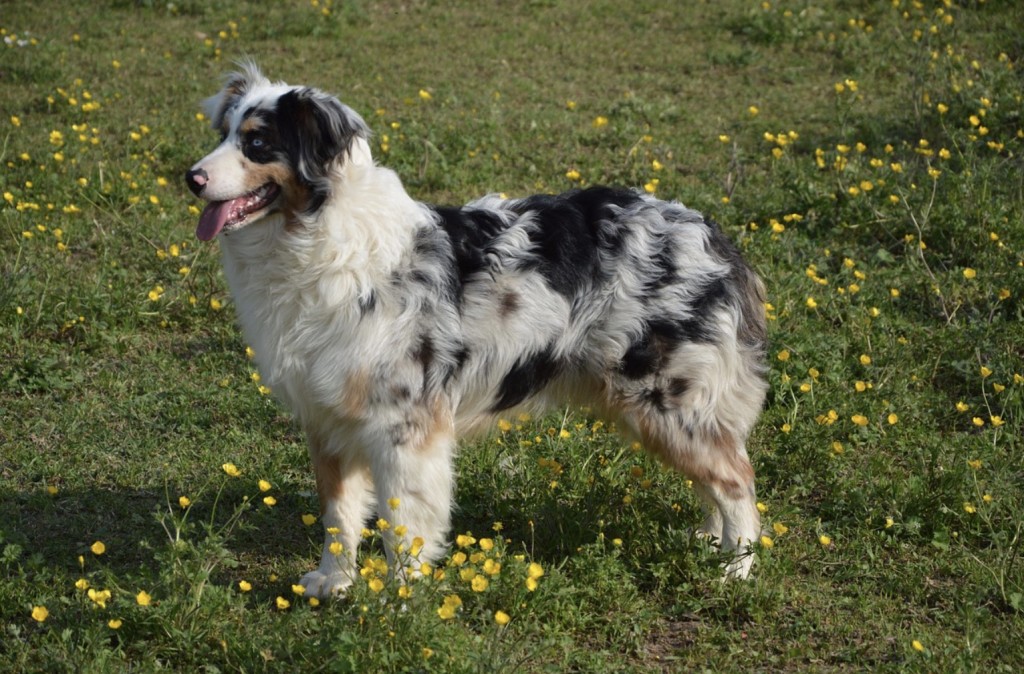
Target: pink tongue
(213, 219)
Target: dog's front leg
(345, 490)
(414, 483)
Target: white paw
(324, 585)
(739, 567)
(709, 535)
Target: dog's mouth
(233, 213)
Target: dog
(390, 328)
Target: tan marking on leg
(439, 425)
(327, 469)
(354, 395)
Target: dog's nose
(196, 180)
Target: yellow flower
(282, 603)
(859, 419)
(404, 592)
(892, 419)
(761, 508)
(231, 469)
(917, 646)
(114, 623)
(969, 508)
(780, 528)
(978, 421)
(99, 597)
(574, 175)
(723, 138)
(837, 447)
(501, 618)
(783, 355)
(376, 585)
(961, 406)
(244, 585)
(82, 584)
(425, 95)
(143, 598)
(534, 570)
(766, 542)
(98, 548)
(335, 548)
(464, 540)
(216, 304)
(450, 605)
(479, 583)
(39, 613)
(969, 273)
(985, 372)
(996, 420)
(264, 485)
(600, 121)
(811, 303)
(824, 540)
(865, 359)
(308, 519)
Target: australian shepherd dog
(391, 328)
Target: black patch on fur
(424, 354)
(528, 376)
(667, 274)
(434, 252)
(315, 129)
(677, 386)
(469, 232)
(571, 229)
(642, 358)
(367, 304)
(509, 304)
(262, 144)
(655, 397)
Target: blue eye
(257, 142)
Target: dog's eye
(257, 142)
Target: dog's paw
(324, 585)
(739, 567)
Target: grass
(867, 158)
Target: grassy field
(865, 155)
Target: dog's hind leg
(723, 478)
(345, 491)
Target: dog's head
(279, 146)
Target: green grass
(124, 383)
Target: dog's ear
(317, 130)
(236, 85)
